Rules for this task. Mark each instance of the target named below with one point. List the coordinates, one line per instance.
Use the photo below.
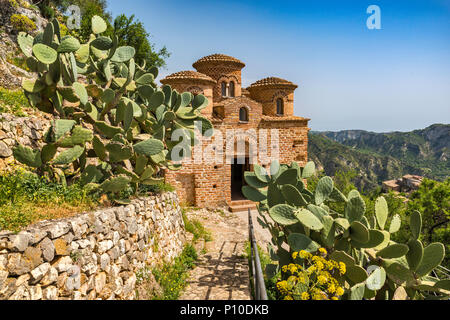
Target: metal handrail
(258, 278)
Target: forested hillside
(381, 156)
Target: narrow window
(280, 106)
(224, 89)
(231, 89)
(243, 114)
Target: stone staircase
(241, 205)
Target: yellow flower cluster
(342, 268)
(312, 278)
(21, 22)
(282, 287)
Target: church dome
(272, 82)
(187, 75)
(215, 58)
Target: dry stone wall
(27, 131)
(93, 255)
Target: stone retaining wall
(27, 131)
(93, 255)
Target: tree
(433, 200)
(88, 8)
(132, 33)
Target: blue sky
(393, 79)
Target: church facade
(253, 125)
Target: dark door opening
(237, 178)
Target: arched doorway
(240, 164)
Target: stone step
(242, 206)
(240, 202)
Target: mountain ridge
(382, 156)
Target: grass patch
(26, 198)
(145, 190)
(172, 277)
(13, 101)
(157, 188)
(196, 228)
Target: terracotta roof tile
(217, 57)
(188, 75)
(283, 118)
(271, 81)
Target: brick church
(265, 105)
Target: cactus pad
(283, 214)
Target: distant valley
(382, 156)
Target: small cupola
(275, 94)
(226, 71)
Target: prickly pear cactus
(113, 126)
(376, 266)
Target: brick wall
(209, 185)
(268, 97)
(222, 72)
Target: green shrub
(22, 23)
(172, 276)
(196, 228)
(13, 4)
(33, 7)
(26, 198)
(433, 199)
(156, 188)
(12, 101)
(47, 11)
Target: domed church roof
(187, 75)
(272, 81)
(217, 57)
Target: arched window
(243, 114)
(224, 89)
(195, 90)
(231, 89)
(280, 106)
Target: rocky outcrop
(94, 255)
(11, 75)
(370, 169)
(10, 7)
